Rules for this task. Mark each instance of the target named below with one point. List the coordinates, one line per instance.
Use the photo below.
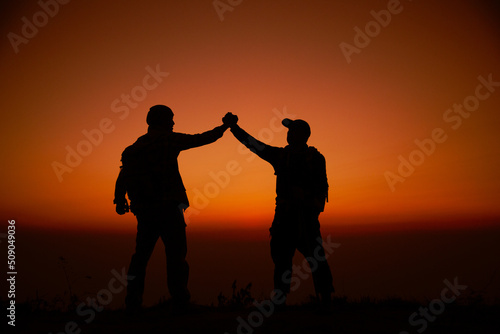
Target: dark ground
(390, 316)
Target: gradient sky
(264, 61)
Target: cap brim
(287, 122)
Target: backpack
(302, 178)
(317, 165)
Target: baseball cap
(297, 124)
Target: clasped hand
(229, 119)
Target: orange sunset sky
(262, 60)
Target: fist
(230, 119)
(122, 207)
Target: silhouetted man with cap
(150, 177)
(301, 189)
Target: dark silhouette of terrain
(360, 316)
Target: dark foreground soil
(343, 318)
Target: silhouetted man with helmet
(150, 177)
(301, 189)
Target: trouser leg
(282, 251)
(145, 243)
(175, 242)
(313, 251)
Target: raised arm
(264, 151)
(186, 141)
